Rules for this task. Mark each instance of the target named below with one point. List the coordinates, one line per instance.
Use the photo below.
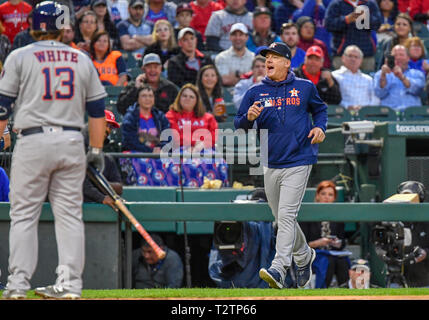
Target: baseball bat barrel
(159, 252)
(102, 183)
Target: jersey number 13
(67, 85)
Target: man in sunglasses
(90, 192)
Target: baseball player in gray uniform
(49, 85)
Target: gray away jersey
(52, 82)
(220, 24)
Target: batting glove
(95, 157)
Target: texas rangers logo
(294, 93)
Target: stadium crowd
(343, 49)
(176, 64)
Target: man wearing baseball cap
(262, 34)
(184, 14)
(236, 60)
(134, 34)
(312, 69)
(165, 90)
(284, 108)
(184, 67)
(359, 275)
(90, 192)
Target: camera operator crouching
(416, 261)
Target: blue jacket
(288, 121)
(4, 186)
(130, 126)
(241, 269)
(317, 12)
(344, 34)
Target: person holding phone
(398, 86)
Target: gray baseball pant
(285, 189)
(47, 163)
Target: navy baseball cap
(278, 48)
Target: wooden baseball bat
(105, 187)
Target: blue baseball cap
(279, 48)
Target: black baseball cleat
(55, 292)
(14, 294)
(303, 274)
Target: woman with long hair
(389, 11)
(164, 42)
(105, 23)
(209, 83)
(327, 236)
(109, 63)
(402, 30)
(187, 115)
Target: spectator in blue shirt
(289, 35)
(4, 186)
(348, 27)
(400, 87)
(283, 13)
(143, 123)
(134, 34)
(316, 9)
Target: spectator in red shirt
(202, 12)
(13, 15)
(186, 115)
(419, 10)
(403, 5)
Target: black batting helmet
(46, 15)
(413, 187)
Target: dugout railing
(105, 254)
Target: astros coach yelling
(282, 104)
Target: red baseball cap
(315, 51)
(110, 118)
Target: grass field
(214, 293)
